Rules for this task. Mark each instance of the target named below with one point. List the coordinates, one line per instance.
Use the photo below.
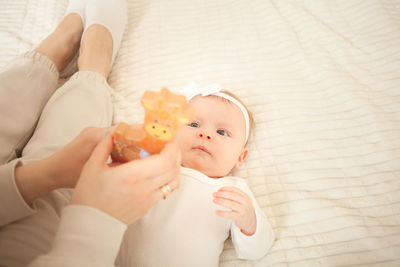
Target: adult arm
(21, 184)
(12, 203)
(86, 237)
(106, 199)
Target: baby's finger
(229, 204)
(227, 214)
(232, 189)
(234, 196)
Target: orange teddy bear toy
(165, 113)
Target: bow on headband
(192, 89)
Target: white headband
(192, 89)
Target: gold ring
(166, 190)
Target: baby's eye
(194, 124)
(222, 132)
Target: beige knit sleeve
(86, 237)
(12, 206)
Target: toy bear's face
(158, 131)
(165, 113)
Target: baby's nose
(201, 135)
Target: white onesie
(184, 230)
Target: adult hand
(60, 170)
(66, 164)
(126, 191)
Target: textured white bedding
(323, 81)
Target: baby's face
(213, 143)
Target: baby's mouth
(202, 148)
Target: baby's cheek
(231, 161)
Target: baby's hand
(241, 208)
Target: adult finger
(158, 193)
(152, 166)
(171, 178)
(93, 135)
(172, 150)
(102, 150)
(114, 164)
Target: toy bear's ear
(149, 99)
(183, 120)
(148, 106)
(187, 114)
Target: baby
(189, 227)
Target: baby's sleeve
(257, 245)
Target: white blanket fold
(323, 81)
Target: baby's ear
(243, 155)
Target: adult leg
(62, 44)
(82, 101)
(85, 99)
(27, 83)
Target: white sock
(110, 14)
(78, 7)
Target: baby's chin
(205, 169)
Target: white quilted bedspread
(322, 78)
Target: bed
(322, 79)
